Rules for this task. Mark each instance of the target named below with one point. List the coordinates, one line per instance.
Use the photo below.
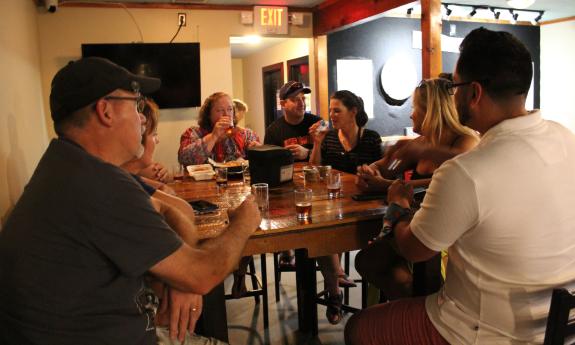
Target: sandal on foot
(333, 312)
(344, 281)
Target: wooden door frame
(295, 62)
(270, 68)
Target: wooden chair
(559, 327)
(256, 291)
(278, 274)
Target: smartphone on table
(203, 206)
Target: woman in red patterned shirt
(217, 135)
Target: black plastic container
(270, 164)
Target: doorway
(298, 70)
(273, 79)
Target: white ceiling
(554, 9)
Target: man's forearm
(181, 223)
(232, 242)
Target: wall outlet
(181, 19)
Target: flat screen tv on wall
(177, 64)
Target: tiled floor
(245, 318)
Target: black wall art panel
(384, 38)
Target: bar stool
(257, 291)
(559, 328)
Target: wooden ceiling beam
(333, 14)
(175, 6)
(431, 38)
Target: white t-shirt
(506, 211)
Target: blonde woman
(442, 137)
(241, 109)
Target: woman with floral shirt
(217, 136)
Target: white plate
(199, 168)
(202, 175)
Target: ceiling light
(538, 18)
(448, 10)
(473, 12)
(520, 3)
(514, 16)
(496, 14)
(409, 10)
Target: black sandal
(333, 312)
(344, 281)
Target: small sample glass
(178, 172)
(302, 199)
(221, 177)
(310, 174)
(246, 174)
(261, 193)
(333, 182)
(323, 171)
(230, 130)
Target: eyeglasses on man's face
(452, 86)
(140, 101)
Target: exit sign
(271, 20)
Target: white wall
(23, 136)
(253, 88)
(62, 33)
(558, 73)
(238, 83)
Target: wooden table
(336, 226)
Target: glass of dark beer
(302, 198)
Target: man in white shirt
(504, 210)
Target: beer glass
(302, 198)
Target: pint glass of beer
(302, 198)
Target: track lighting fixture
(496, 14)
(482, 12)
(538, 18)
(448, 10)
(409, 10)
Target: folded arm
(199, 268)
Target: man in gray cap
(76, 247)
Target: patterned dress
(193, 150)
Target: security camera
(51, 5)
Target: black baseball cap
(86, 80)
(292, 88)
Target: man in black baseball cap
(76, 247)
(292, 88)
(291, 130)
